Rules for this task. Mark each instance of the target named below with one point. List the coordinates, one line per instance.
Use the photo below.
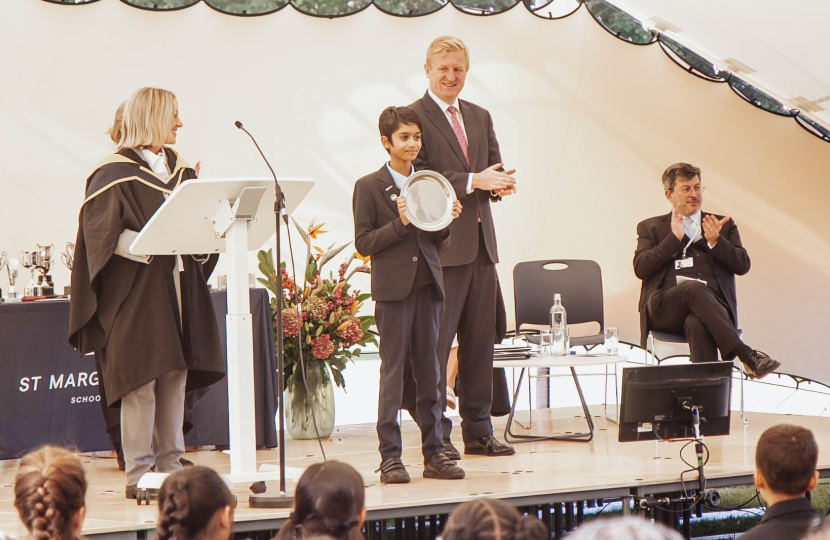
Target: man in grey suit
(460, 143)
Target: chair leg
(743, 412)
(529, 401)
(650, 349)
(605, 393)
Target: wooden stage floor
(540, 472)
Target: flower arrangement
(322, 311)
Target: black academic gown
(126, 312)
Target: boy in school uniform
(408, 290)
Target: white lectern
(230, 215)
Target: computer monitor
(656, 401)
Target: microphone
(280, 198)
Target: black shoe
(185, 462)
(115, 439)
(450, 451)
(392, 471)
(488, 446)
(760, 365)
(443, 468)
(147, 495)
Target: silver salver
(429, 199)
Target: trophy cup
(30, 260)
(12, 267)
(44, 280)
(39, 261)
(68, 258)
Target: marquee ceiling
(769, 53)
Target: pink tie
(459, 133)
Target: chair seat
(667, 337)
(581, 341)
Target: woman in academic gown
(148, 319)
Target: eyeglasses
(685, 190)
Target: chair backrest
(579, 283)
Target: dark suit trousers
(694, 309)
(470, 312)
(408, 332)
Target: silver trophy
(68, 258)
(30, 260)
(12, 267)
(39, 261)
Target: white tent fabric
(780, 43)
(589, 121)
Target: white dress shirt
(397, 177)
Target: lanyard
(692, 227)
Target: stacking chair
(579, 282)
(666, 337)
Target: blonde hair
(49, 489)
(147, 118)
(444, 44)
(117, 124)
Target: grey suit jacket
(393, 246)
(441, 152)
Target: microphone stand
(283, 499)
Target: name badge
(684, 263)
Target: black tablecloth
(48, 395)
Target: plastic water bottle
(559, 327)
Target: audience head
(625, 528)
(151, 118)
(117, 124)
(329, 501)
(195, 504)
(492, 519)
(49, 492)
(785, 461)
(820, 530)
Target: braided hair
(188, 500)
(492, 519)
(327, 502)
(49, 490)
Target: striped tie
(459, 133)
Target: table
(48, 395)
(571, 361)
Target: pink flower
(317, 308)
(290, 323)
(351, 330)
(322, 347)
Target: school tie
(459, 132)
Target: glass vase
(299, 405)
